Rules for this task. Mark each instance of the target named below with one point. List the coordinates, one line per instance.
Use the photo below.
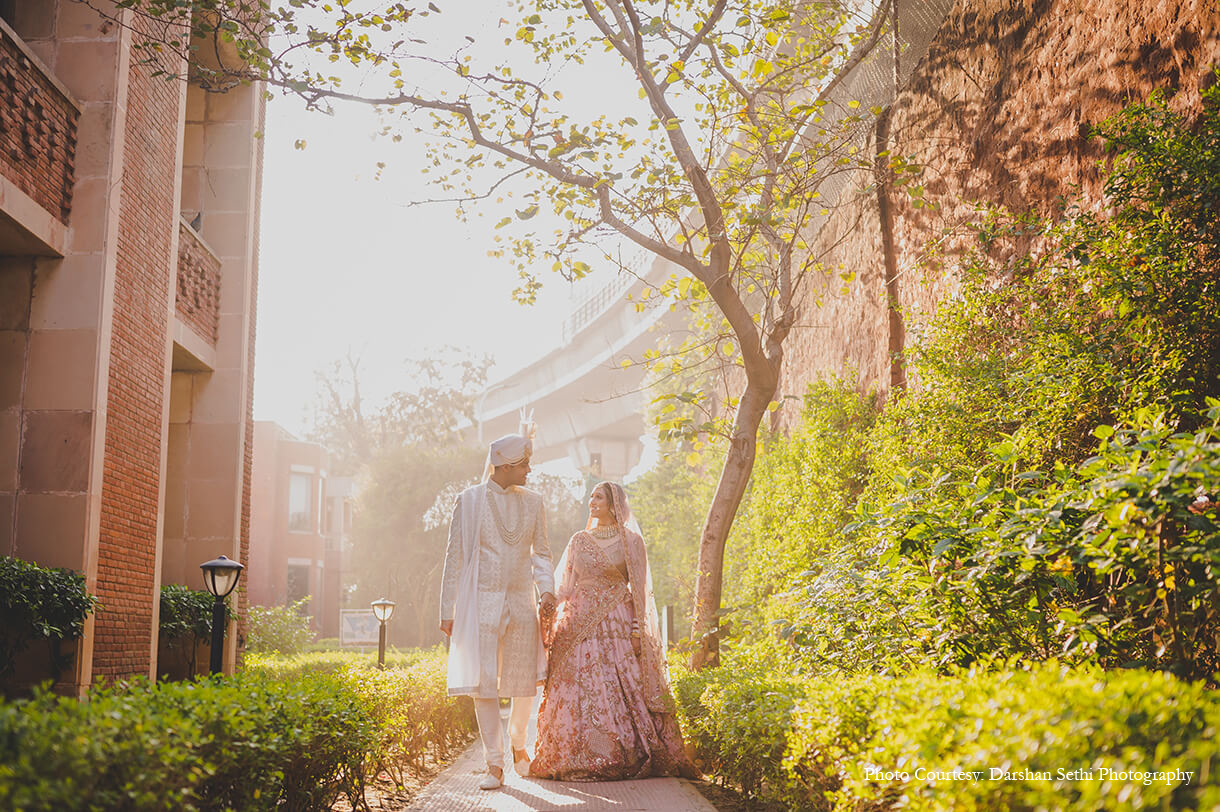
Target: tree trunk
(729, 491)
(896, 347)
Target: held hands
(546, 618)
(447, 627)
(636, 646)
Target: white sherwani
(488, 590)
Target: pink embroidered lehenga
(607, 713)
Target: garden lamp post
(383, 610)
(220, 576)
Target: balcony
(197, 305)
(38, 126)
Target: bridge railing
(605, 296)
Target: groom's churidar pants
(487, 712)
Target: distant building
(299, 521)
(129, 211)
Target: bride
(607, 712)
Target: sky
(346, 265)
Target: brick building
(299, 521)
(128, 260)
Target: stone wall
(997, 113)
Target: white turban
(510, 449)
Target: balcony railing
(38, 121)
(198, 301)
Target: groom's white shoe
(491, 780)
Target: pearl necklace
(510, 537)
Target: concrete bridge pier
(605, 457)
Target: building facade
(128, 262)
(299, 522)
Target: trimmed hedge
(290, 667)
(412, 712)
(286, 733)
(1050, 737)
(244, 742)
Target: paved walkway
(457, 789)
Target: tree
(440, 398)
(395, 553)
(719, 176)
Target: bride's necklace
(509, 536)
(604, 532)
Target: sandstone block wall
(997, 113)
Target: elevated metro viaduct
(588, 407)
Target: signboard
(358, 627)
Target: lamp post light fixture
(383, 610)
(220, 576)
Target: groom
(496, 557)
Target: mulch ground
(728, 800)
(383, 794)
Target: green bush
(286, 733)
(39, 603)
(185, 623)
(805, 486)
(1117, 559)
(833, 743)
(336, 661)
(278, 629)
(737, 719)
(1052, 729)
(412, 712)
(186, 614)
(1048, 488)
(245, 742)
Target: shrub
(1116, 559)
(413, 714)
(39, 603)
(1048, 488)
(336, 661)
(737, 718)
(869, 742)
(1038, 739)
(805, 486)
(185, 623)
(243, 742)
(281, 629)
